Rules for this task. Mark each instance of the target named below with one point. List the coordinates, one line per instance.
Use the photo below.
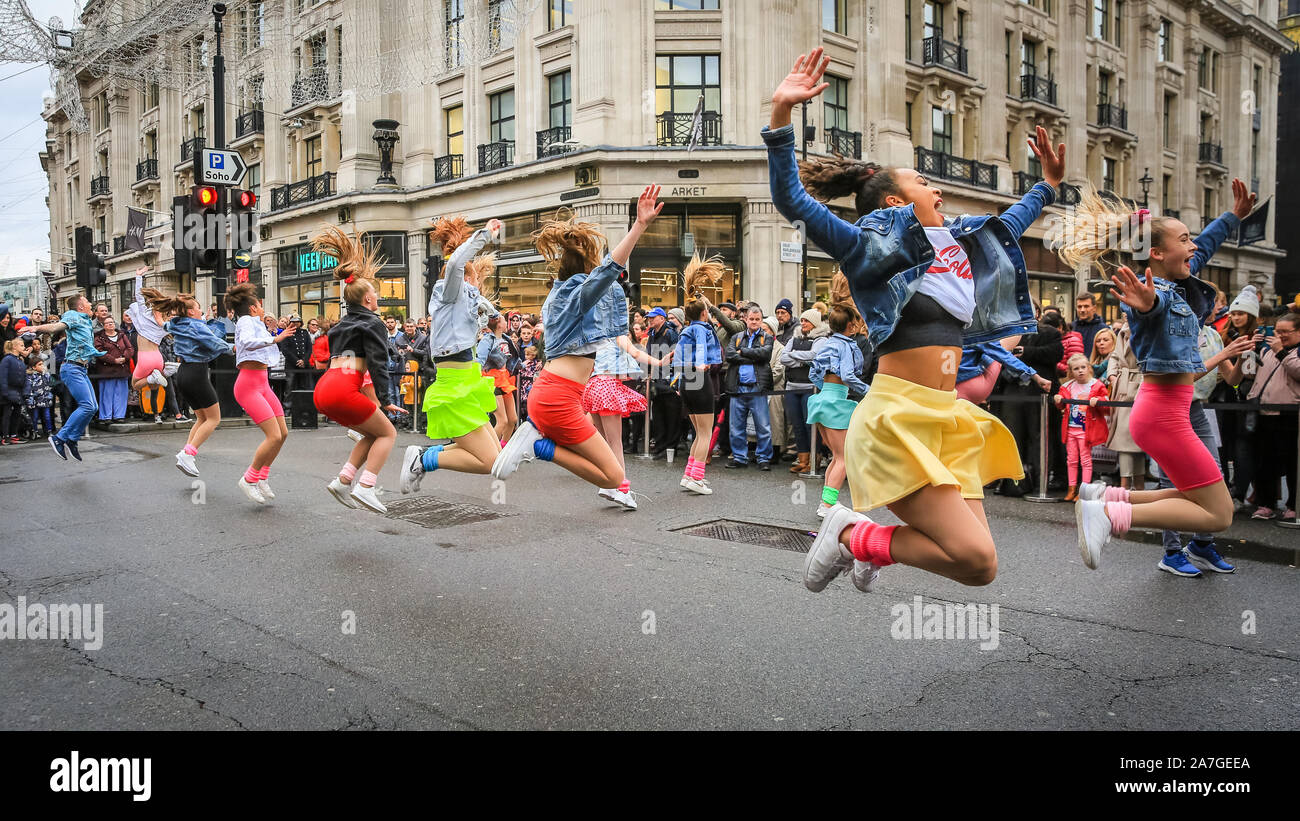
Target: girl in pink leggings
(255, 353)
(1165, 313)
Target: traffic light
(432, 265)
(89, 263)
(242, 202)
(205, 203)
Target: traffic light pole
(219, 135)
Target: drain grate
(732, 530)
(431, 512)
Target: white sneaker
(156, 378)
(170, 368)
(823, 509)
(1092, 491)
(609, 493)
(697, 486)
(864, 575)
(265, 488)
(185, 463)
(251, 491)
(354, 436)
(412, 469)
(368, 498)
(626, 499)
(341, 492)
(1094, 530)
(517, 451)
(827, 558)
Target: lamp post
(1145, 182)
(386, 137)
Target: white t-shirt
(949, 281)
(254, 343)
(1078, 413)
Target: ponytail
(569, 246)
(166, 305)
(1094, 233)
(869, 183)
(449, 233)
(357, 263)
(703, 272)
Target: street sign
(220, 167)
(791, 252)
(243, 259)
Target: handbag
(1251, 422)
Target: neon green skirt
(458, 401)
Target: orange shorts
(555, 409)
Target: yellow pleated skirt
(904, 437)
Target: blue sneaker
(1177, 564)
(1204, 556)
(57, 444)
(72, 448)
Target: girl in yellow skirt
(458, 402)
(925, 286)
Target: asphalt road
(552, 609)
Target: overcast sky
(24, 221)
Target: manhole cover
(430, 512)
(731, 530)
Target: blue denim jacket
(454, 304)
(1166, 338)
(839, 355)
(81, 339)
(975, 359)
(585, 308)
(196, 340)
(885, 253)
(698, 345)
(612, 360)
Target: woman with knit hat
(1237, 445)
(796, 358)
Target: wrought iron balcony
(552, 141)
(497, 155)
(192, 147)
(100, 248)
(250, 122)
(675, 128)
(1067, 194)
(1110, 115)
(1025, 181)
(844, 143)
(296, 193)
(310, 87)
(1042, 89)
(1171, 212)
(1257, 120)
(449, 167)
(937, 51)
(946, 166)
(146, 169)
(1211, 153)
(119, 245)
(99, 186)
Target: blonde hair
(450, 233)
(569, 246)
(167, 305)
(1095, 232)
(703, 272)
(1076, 359)
(357, 263)
(1097, 356)
(842, 298)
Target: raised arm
(1209, 240)
(455, 273)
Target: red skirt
(607, 396)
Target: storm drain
(732, 530)
(431, 512)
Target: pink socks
(190, 450)
(869, 542)
(264, 473)
(694, 469)
(1115, 493)
(347, 473)
(251, 476)
(368, 479)
(1120, 515)
(625, 487)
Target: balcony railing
(1210, 152)
(1067, 194)
(675, 128)
(99, 186)
(1025, 181)
(250, 122)
(1033, 87)
(946, 166)
(1110, 115)
(551, 141)
(146, 169)
(1257, 120)
(939, 52)
(119, 245)
(191, 147)
(844, 143)
(492, 156)
(449, 167)
(296, 193)
(1171, 212)
(69, 269)
(310, 87)
(100, 248)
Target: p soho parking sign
(220, 167)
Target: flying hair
(166, 305)
(702, 273)
(449, 233)
(569, 246)
(1095, 233)
(357, 263)
(831, 178)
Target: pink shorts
(1160, 426)
(146, 363)
(253, 393)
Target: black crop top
(923, 322)
(466, 355)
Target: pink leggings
(253, 393)
(1161, 427)
(977, 390)
(146, 363)
(1078, 453)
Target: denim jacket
(1166, 339)
(612, 360)
(885, 253)
(975, 359)
(698, 345)
(837, 354)
(585, 308)
(454, 304)
(196, 340)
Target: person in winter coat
(1123, 379)
(13, 380)
(113, 371)
(776, 403)
(796, 358)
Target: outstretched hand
(1052, 161)
(646, 207)
(1133, 292)
(804, 80)
(1243, 199)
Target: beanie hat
(679, 314)
(771, 324)
(812, 315)
(787, 304)
(1247, 300)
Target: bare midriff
(576, 368)
(933, 366)
(1169, 378)
(348, 363)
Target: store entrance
(659, 261)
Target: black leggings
(11, 418)
(192, 381)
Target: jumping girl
(585, 307)
(837, 361)
(358, 348)
(458, 402)
(149, 334)
(926, 287)
(1165, 313)
(255, 352)
(197, 344)
(699, 355)
(609, 402)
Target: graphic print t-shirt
(1078, 391)
(949, 281)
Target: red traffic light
(246, 199)
(205, 196)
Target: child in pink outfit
(1082, 426)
